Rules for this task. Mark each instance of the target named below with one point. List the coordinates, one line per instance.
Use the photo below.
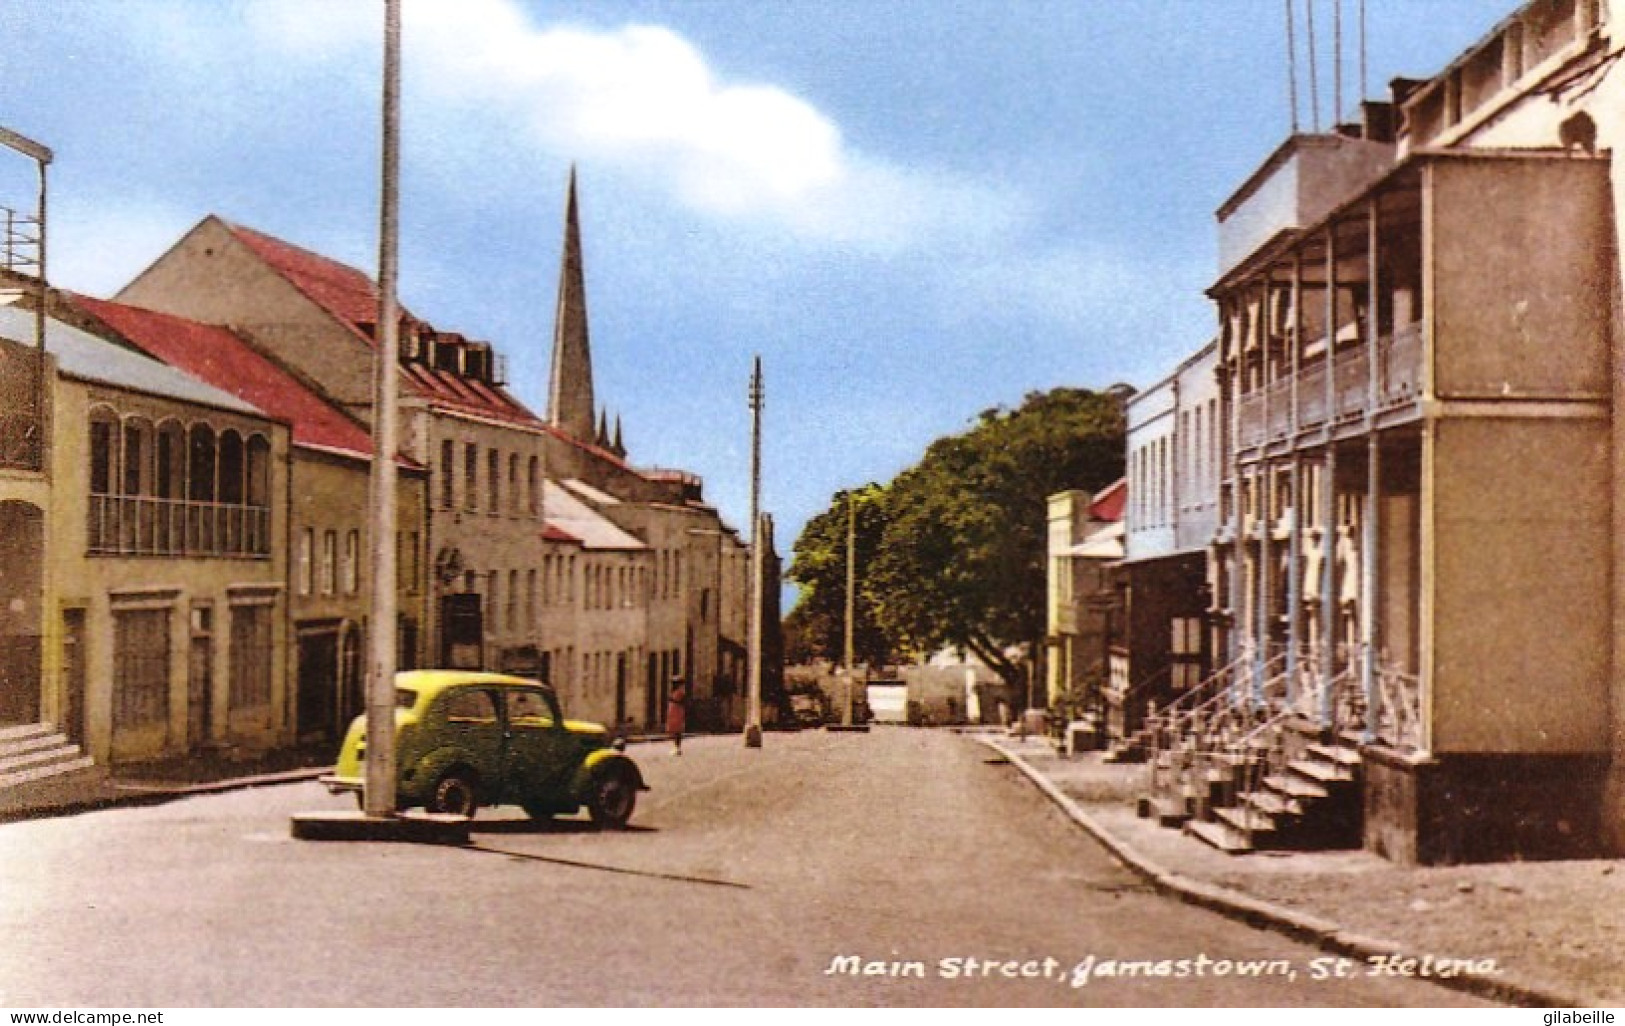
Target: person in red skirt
(677, 714)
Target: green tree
(961, 559)
(816, 627)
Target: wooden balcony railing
(1268, 413)
(130, 525)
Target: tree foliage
(816, 628)
(958, 557)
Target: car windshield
(405, 698)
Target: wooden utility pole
(379, 794)
(849, 647)
(753, 702)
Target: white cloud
(644, 101)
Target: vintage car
(465, 739)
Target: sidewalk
(150, 783)
(1555, 930)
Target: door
(468, 724)
(200, 677)
(462, 631)
(73, 674)
(318, 681)
(620, 691)
(540, 752)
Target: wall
(98, 584)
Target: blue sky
(912, 209)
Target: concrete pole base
(416, 828)
(753, 736)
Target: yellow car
(466, 739)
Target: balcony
(1294, 403)
(128, 525)
(21, 426)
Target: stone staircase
(1308, 801)
(35, 756)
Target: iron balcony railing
(143, 525)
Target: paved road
(750, 875)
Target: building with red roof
(329, 470)
(505, 588)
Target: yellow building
(150, 562)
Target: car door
(471, 729)
(541, 754)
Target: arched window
(259, 471)
(201, 460)
(232, 465)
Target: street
(789, 875)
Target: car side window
(470, 705)
(527, 709)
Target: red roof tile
(340, 289)
(352, 298)
(1109, 502)
(225, 361)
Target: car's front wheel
(454, 795)
(614, 795)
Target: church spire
(569, 397)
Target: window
(448, 473)
(493, 475)
(330, 553)
(470, 705)
(530, 599)
(352, 562)
(533, 486)
(513, 482)
(513, 600)
(140, 668)
(307, 561)
(528, 709)
(250, 656)
(471, 476)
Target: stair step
(1245, 818)
(1292, 786)
(24, 731)
(45, 771)
(39, 757)
(1220, 835)
(1340, 754)
(32, 743)
(1322, 772)
(1272, 804)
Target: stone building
(491, 553)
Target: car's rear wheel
(454, 795)
(614, 795)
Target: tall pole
(379, 795)
(849, 648)
(753, 703)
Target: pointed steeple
(619, 447)
(569, 396)
(601, 439)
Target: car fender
(425, 771)
(603, 758)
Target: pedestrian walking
(677, 714)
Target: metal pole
(753, 703)
(379, 795)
